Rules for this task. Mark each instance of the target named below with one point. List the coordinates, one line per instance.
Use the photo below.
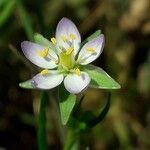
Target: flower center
(66, 59)
(66, 56)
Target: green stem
(71, 140)
(42, 144)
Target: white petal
(85, 57)
(75, 83)
(47, 81)
(31, 50)
(66, 27)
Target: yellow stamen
(72, 36)
(43, 53)
(63, 38)
(53, 40)
(90, 50)
(77, 71)
(69, 50)
(44, 72)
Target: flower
(64, 59)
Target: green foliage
(66, 104)
(82, 121)
(94, 35)
(100, 79)
(7, 11)
(126, 50)
(26, 85)
(38, 38)
(42, 144)
(25, 20)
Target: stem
(71, 140)
(42, 144)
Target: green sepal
(100, 79)
(94, 35)
(26, 85)
(40, 39)
(66, 103)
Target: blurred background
(126, 57)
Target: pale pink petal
(76, 83)
(47, 81)
(85, 57)
(31, 50)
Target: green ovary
(66, 60)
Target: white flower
(66, 57)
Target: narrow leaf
(66, 104)
(100, 79)
(26, 85)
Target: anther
(44, 52)
(77, 71)
(63, 38)
(44, 72)
(90, 50)
(53, 40)
(72, 36)
(69, 50)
